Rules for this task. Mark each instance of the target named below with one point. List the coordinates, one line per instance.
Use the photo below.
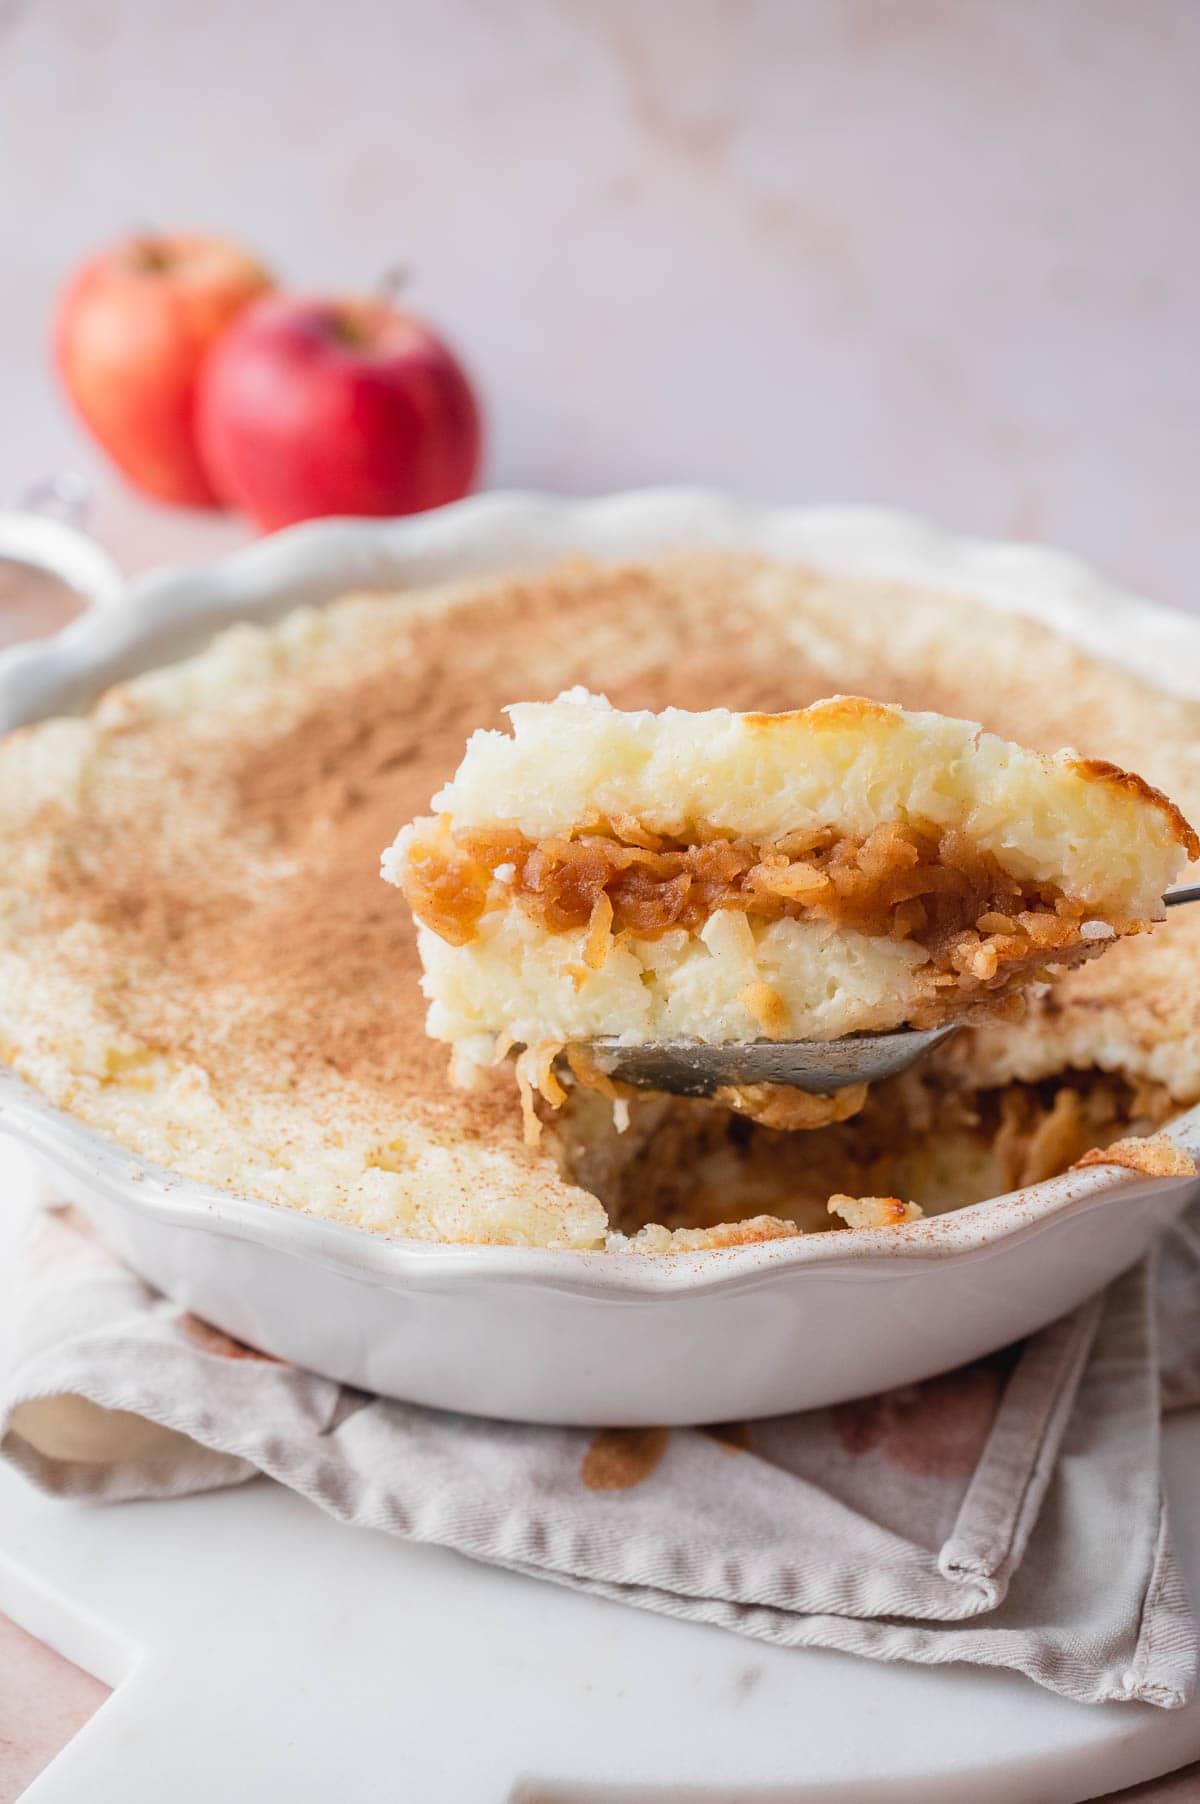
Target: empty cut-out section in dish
(687, 1164)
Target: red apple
(134, 327)
(311, 407)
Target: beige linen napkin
(1009, 1514)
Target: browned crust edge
(1099, 770)
(1155, 1156)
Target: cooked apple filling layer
(977, 922)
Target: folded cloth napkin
(1009, 1514)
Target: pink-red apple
(310, 407)
(134, 328)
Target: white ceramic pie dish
(565, 1336)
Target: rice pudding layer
(841, 868)
(198, 957)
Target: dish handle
(45, 531)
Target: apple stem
(394, 280)
(148, 251)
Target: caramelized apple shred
(978, 923)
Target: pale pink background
(940, 254)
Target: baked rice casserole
(714, 877)
(198, 957)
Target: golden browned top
(833, 711)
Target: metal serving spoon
(691, 1068)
